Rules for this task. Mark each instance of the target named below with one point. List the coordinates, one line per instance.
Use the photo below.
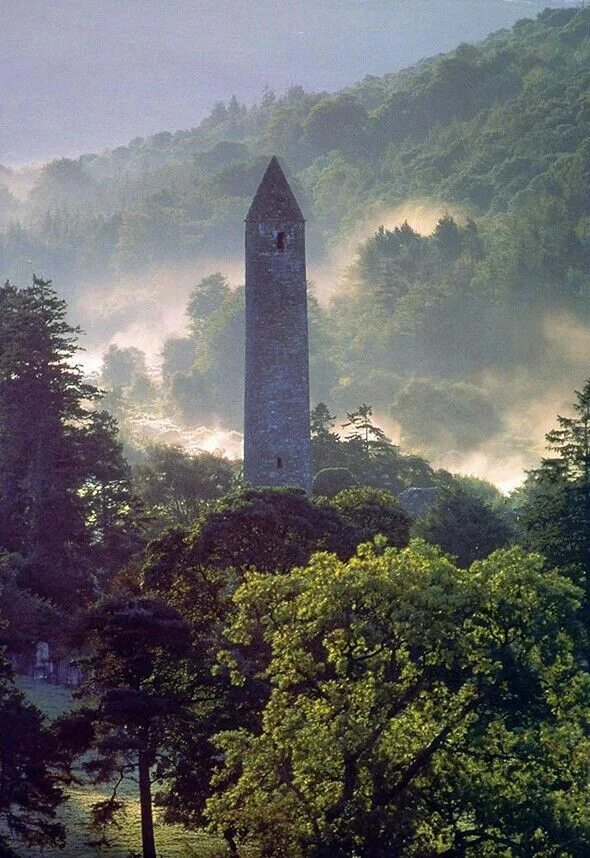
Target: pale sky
(80, 75)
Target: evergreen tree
(555, 512)
(64, 486)
(137, 695)
(31, 767)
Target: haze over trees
(428, 328)
(269, 666)
(349, 673)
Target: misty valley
(295, 539)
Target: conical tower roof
(274, 199)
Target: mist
(145, 311)
(467, 338)
(90, 74)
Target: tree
(266, 529)
(555, 508)
(374, 511)
(375, 461)
(178, 355)
(463, 524)
(365, 453)
(137, 694)
(64, 485)
(322, 422)
(205, 299)
(121, 365)
(202, 595)
(114, 515)
(415, 709)
(31, 767)
(364, 431)
(330, 481)
(326, 447)
(38, 393)
(336, 123)
(175, 484)
(25, 618)
(447, 237)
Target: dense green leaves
(136, 691)
(414, 710)
(555, 501)
(465, 523)
(66, 505)
(174, 485)
(32, 764)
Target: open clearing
(172, 841)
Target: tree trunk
(145, 801)
(229, 839)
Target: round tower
(276, 415)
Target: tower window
(279, 463)
(280, 241)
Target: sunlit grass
(172, 841)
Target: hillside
(87, 74)
(486, 318)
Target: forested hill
(491, 127)
(469, 338)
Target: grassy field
(172, 841)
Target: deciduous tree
(415, 709)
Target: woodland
(396, 665)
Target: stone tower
(276, 417)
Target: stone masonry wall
(276, 418)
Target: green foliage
(266, 529)
(415, 709)
(374, 512)
(465, 524)
(65, 498)
(32, 764)
(137, 695)
(554, 507)
(365, 453)
(206, 298)
(174, 484)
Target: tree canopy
(414, 709)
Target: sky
(82, 75)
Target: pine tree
(31, 766)
(137, 695)
(58, 455)
(556, 508)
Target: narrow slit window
(279, 463)
(280, 241)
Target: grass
(172, 841)
(52, 700)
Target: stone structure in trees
(277, 449)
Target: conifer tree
(31, 767)
(63, 482)
(556, 510)
(137, 691)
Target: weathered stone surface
(276, 415)
(274, 200)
